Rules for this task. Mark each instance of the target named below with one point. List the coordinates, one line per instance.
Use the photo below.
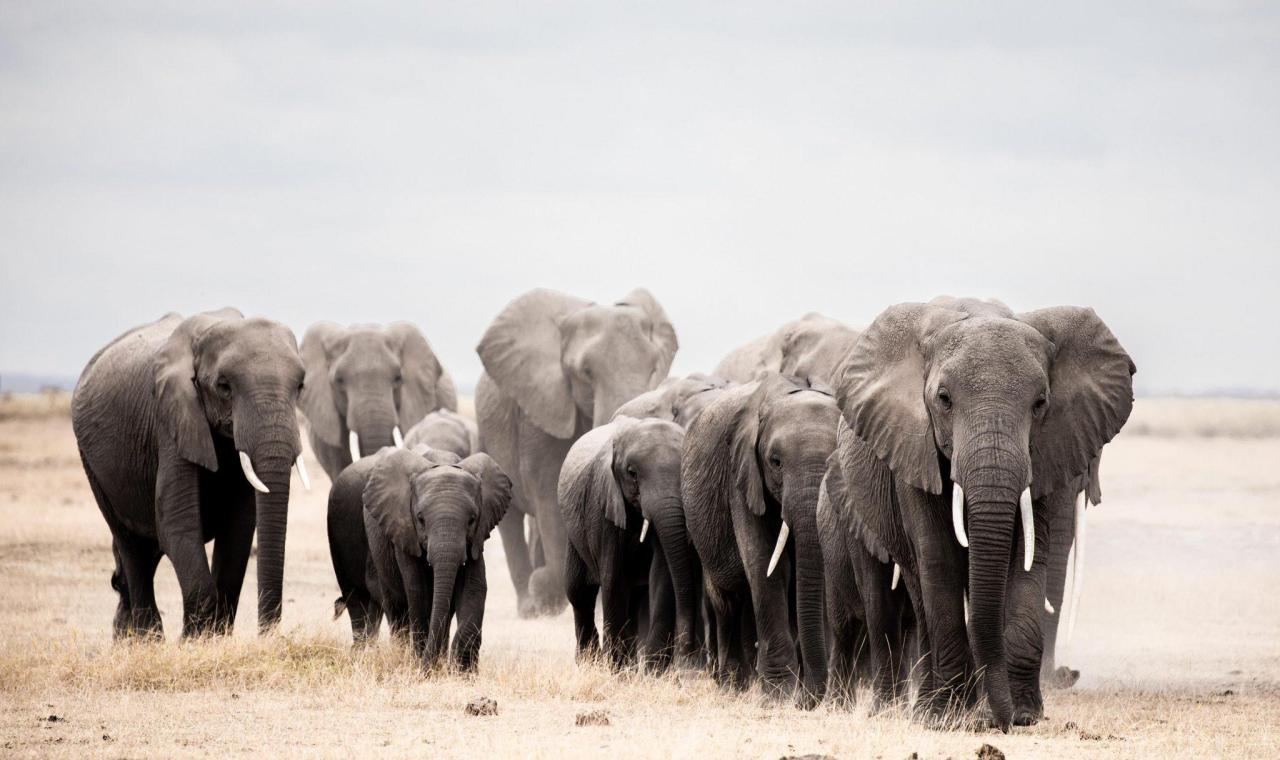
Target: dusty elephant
(446, 430)
(555, 367)
(367, 385)
(187, 432)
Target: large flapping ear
(495, 497)
(446, 392)
(180, 408)
(707, 472)
(869, 506)
(663, 334)
(521, 353)
(420, 372)
(316, 400)
(388, 497)
(881, 390)
(746, 464)
(1090, 394)
(587, 482)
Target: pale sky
(368, 162)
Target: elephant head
(809, 347)
(447, 430)
(367, 384)
(431, 504)
(677, 399)
(1008, 407)
(569, 364)
(221, 375)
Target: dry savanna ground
(1178, 638)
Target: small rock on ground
(482, 706)
(989, 752)
(592, 718)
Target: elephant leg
(842, 598)
(660, 640)
(537, 554)
(582, 594)
(776, 658)
(181, 536)
(468, 600)
(134, 579)
(883, 630)
(1024, 614)
(511, 528)
(1062, 534)
(619, 629)
(541, 457)
(232, 545)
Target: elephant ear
(814, 345)
(1090, 394)
(521, 352)
(419, 370)
(747, 480)
(388, 497)
(316, 399)
(446, 392)
(662, 333)
(587, 481)
(880, 390)
(495, 497)
(179, 407)
(869, 506)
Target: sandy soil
(1178, 640)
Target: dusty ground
(1179, 637)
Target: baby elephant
(426, 515)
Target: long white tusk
(302, 473)
(1028, 530)
(1077, 567)
(897, 576)
(957, 514)
(1048, 607)
(966, 607)
(353, 442)
(250, 475)
(644, 529)
(397, 437)
(777, 550)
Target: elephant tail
(339, 607)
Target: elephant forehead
(990, 352)
(367, 346)
(651, 437)
(446, 479)
(256, 344)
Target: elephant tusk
(644, 529)
(966, 607)
(957, 513)
(397, 437)
(1048, 607)
(302, 473)
(1077, 567)
(897, 576)
(777, 550)
(1028, 530)
(250, 475)
(353, 443)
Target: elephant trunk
(669, 523)
(801, 507)
(444, 575)
(373, 419)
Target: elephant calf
(426, 515)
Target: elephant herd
(895, 505)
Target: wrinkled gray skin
(160, 415)
(368, 379)
(677, 399)
(615, 477)
(445, 430)
(811, 347)
(555, 367)
(753, 458)
(426, 515)
(966, 391)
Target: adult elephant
(178, 423)
(991, 417)
(809, 347)
(366, 385)
(677, 399)
(750, 473)
(555, 367)
(1066, 545)
(446, 430)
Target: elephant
(809, 347)
(750, 471)
(406, 535)
(187, 432)
(993, 418)
(556, 366)
(617, 480)
(677, 399)
(1067, 543)
(447, 430)
(365, 386)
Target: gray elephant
(809, 347)
(555, 367)
(750, 473)
(1067, 544)
(964, 408)
(187, 432)
(426, 515)
(446, 430)
(617, 481)
(677, 399)
(365, 386)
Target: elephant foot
(1060, 677)
(546, 598)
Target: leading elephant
(366, 386)
(187, 432)
(986, 421)
(555, 367)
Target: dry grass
(1189, 528)
(1205, 418)
(26, 406)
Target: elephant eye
(224, 387)
(399, 379)
(631, 471)
(775, 461)
(1041, 403)
(944, 398)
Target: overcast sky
(367, 162)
